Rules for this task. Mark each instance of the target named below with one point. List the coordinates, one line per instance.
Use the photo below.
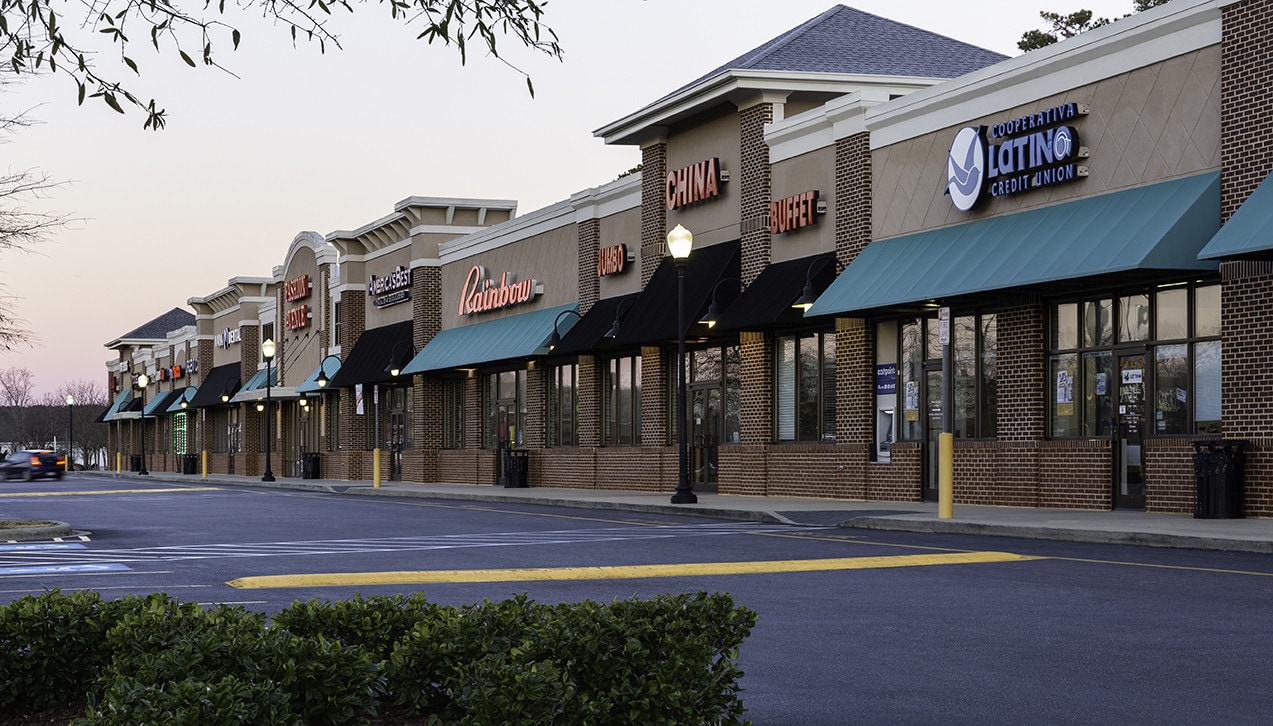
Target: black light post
(554, 339)
(142, 381)
(679, 244)
(267, 350)
(70, 426)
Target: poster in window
(912, 401)
(1064, 394)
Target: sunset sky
(305, 141)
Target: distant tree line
(30, 421)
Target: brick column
(589, 245)
(854, 381)
(756, 381)
(1022, 367)
(475, 412)
(588, 388)
(757, 189)
(535, 435)
(1246, 101)
(653, 209)
(656, 398)
(852, 200)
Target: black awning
(101, 417)
(589, 333)
(652, 318)
(161, 401)
(371, 355)
(766, 302)
(220, 380)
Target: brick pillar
(757, 189)
(1022, 373)
(1246, 101)
(854, 381)
(1246, 351)
(589, 283)
(852, 201)
(475, 412)
(756, 381)
(656, 398)
(535, 435)
(426, 312)
(653, 209)
(588, 388)
(205, 368)
(353, 436)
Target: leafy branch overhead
(1064, 26)
(35, 38)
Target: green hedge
(670, 659)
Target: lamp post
(70, 427)
(554, 339)
(142, 381)
(679, 244)
(267, 350)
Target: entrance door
(397, 431)
(1129, 434)
(932, 428)
(706, 424)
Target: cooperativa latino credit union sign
(1030, 152)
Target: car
(29, 464)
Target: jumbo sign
(612, 260)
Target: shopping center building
(1060, 257)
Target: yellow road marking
(111, 491)
(623, 572)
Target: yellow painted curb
(622, 572)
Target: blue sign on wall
(885, 379)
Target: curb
(23, 534)
(1140, 539)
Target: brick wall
(852, 197)
(535, 436)
(1021, 372)
(588, 388)
(757, 189)
(1246, 101)
(589, 244)
(899, 479)
(354, 427)
(1075, 474)
(756, 380)
(653, 209)
(655, 397)
(743, 469)
(1169, 476)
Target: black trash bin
(309, 466)
(134, 462)
(1219, 472)
(516, 465)
(190, 464)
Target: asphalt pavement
(1110, 527)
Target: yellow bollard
(945, 476)
(205, 463)
(375, 478)
(119, 463)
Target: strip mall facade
(1081, 211)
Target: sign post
(946, 441)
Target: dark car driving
(31, 464)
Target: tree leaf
(189, 61)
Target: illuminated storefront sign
(794, 212)
(228, 337)
(298, 317)
(612, 260)
(391, 289)
(1036, 151)
(694, 183)
(481, 294)
(296, 289)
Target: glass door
(1129, 435)
(397, 431)
(706, 425)
(932, 428)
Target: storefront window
(805, 388)
(563, 406)
(622, 420)
(974, 340)
(507, 409)
(1184, 376)
(453, 413)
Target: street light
(679, 244)
(323, 378)
(142, 381)
(70, 425)
(267, 350)
(554, 339)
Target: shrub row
(670, 659)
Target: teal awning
(187, 394)
(1248, 231)
(257, 381)
(121, 399)
(160, 403)
(310, 384)
(510, 338)
(1154, 227)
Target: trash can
(309, 466)
(1219, 472)
(190, 464)
(134, 462)
(516, 468)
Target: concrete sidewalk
(1120, 527)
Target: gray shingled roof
(847, 40)
(160, 327)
